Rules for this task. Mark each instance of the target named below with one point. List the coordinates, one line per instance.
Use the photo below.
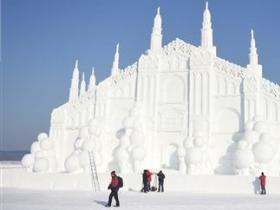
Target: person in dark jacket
(114, 187)
(161, 178)
(263, 183)
(145, 181)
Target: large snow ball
(46, 144)
(72, 163)
(128, 122)
(243, 158)
(188, 142)
(84, 159)
(263, 152)
(39, 154)
(35, 147)
(193, 155)
(42, 136)
(138, 153)
(266, 137)
(41, 165)
(199, 141)
(251, 136)
(241, 145)
(261, 127)
(27, 160)
(136, 137)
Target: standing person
(116, 183)
(161, 178)
(263, 183)
(145, 181)
(149, 179)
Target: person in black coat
(161, 178)
(145, 181)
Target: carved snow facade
(178, 107)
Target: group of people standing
(117, 183)
(147, 179)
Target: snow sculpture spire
(115, 68)
(92, 80)
(253, 55)
(74, 89)
(207, 32)
(83, 85)
(156, 36)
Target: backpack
(120, 182)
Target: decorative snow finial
(207, 32)
(115, 67)
(253, 56)
(76, 64)
(92, 80)
(83, 85)
(156, 37)
(74, 89)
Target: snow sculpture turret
(207, 32)
(156, 36)
(115, 67)
(74, 89)
(253, 57)
(92, 80)
(83, 86)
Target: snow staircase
(94, 174)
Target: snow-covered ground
(20, 199)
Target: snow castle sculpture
(178, 107)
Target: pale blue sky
(42, 38)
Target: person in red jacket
(114, 187)
(263, 183)
(149, 179)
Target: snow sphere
(84, 159)
(188, 142)
(72, 163)
(199, 141)
(251, 136)
(261, 127)
(39, 154)
(263, 152)
(46, 144)
(265, 137)
(79, 142)
(41, 165)
(121, 154)
(128, 122)
(243, 158)
(136, 137)
(181, 152)
(35, 147)
(193, 156)
(42, 136)
(138, 153)
(27, 160)
(241, 145)
(88, 145)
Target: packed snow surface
(19, 199)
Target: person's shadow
(256, 185)
(102, 203)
